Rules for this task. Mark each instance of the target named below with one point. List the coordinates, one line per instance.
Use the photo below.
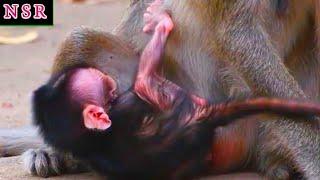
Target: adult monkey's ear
(95, 117)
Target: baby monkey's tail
(225, 113)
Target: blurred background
(26, 56)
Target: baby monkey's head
(74, 106)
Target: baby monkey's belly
(232, 146)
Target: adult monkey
(263, 40)
(233, 32)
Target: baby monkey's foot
(156, 18)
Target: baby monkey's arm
(149, 85)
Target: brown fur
(220, 48)
(270, 43)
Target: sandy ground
(24, 67)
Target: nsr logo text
(26, 12)
(12, 11)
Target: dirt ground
(24, 67)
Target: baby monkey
(81, 111)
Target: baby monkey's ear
(95, 117)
